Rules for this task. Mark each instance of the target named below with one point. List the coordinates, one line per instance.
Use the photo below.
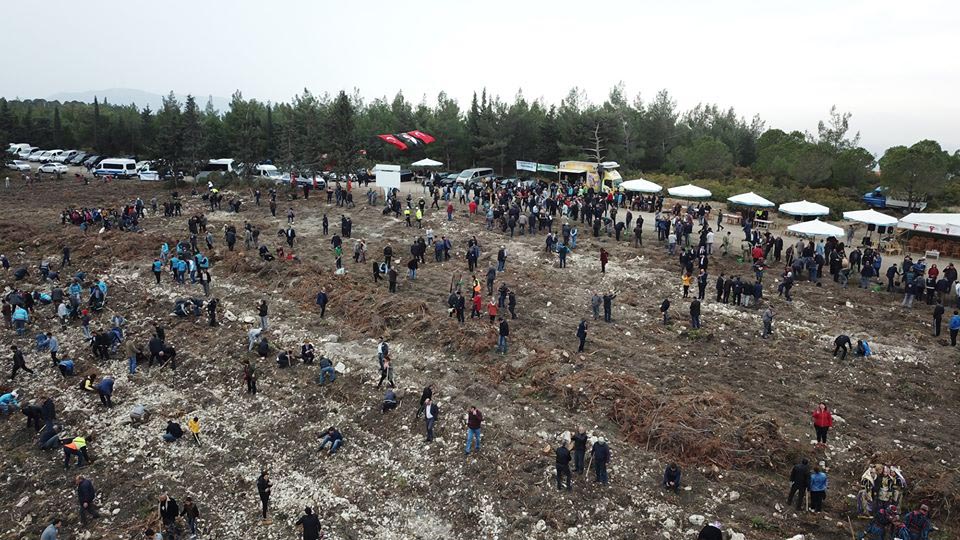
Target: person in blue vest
(21, 317)
(157, 269)
(954, 327)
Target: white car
(19, 165)
(35, 155)
(53, 168)
(63, 157)
(50, 155)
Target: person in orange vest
(492, 309)
(76, 446)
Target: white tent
(689, 191)
(871, 217)
(642, 186)
(804, 208)
(426, 162)
(948, 224)
(816, 228)
(750, 199)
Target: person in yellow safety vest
(88, 383)
(476, 287)
(76, 447)
(406, 216)
(419, 218)
(194, 426)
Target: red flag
(390, 139)
(427, 139)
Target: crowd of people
(555, 211)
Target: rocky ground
(732, 408)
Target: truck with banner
(603, 176)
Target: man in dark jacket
(310, 524)
(86, 493)
(431, 412)
(579, 449)
(322, 302)
(263, 489)
(502, 338)
(937, 318)
(168, 510)
(608, 305)
(18, 363)
(563, 466)
(601, 456)
(582, 334)
(671, 478)
(695, 314)
(799, 482)
(427, 394)
(665, 310)
(720, 284)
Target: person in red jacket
(822, 421)
(477, 305)
(604, 258)
(492, 309)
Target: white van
(269, 172)
(116, 167)
(16, 148)
(223, 166)
(25, 153)
(469, 176)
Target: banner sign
(526, 166)
(546, 168)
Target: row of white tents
(945, 224)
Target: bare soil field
(733, 409)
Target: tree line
(337, 132)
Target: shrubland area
(731, 408)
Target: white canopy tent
(750, 199)
(947, 224)
(426, 162)
(689, 191)
(816, 228)
(804, 208)
(870, 217)
(641, 186)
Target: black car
(77, 159)
(90, 161)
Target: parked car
(77, 158)
(302, 180)
(35, 155)
(53, 168)
(18, 165)
(91, 161)
(64, 156)
(25, 153)
(50, 155)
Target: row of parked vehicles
(56, 161)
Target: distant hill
(126, 96)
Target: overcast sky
(893, 64)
